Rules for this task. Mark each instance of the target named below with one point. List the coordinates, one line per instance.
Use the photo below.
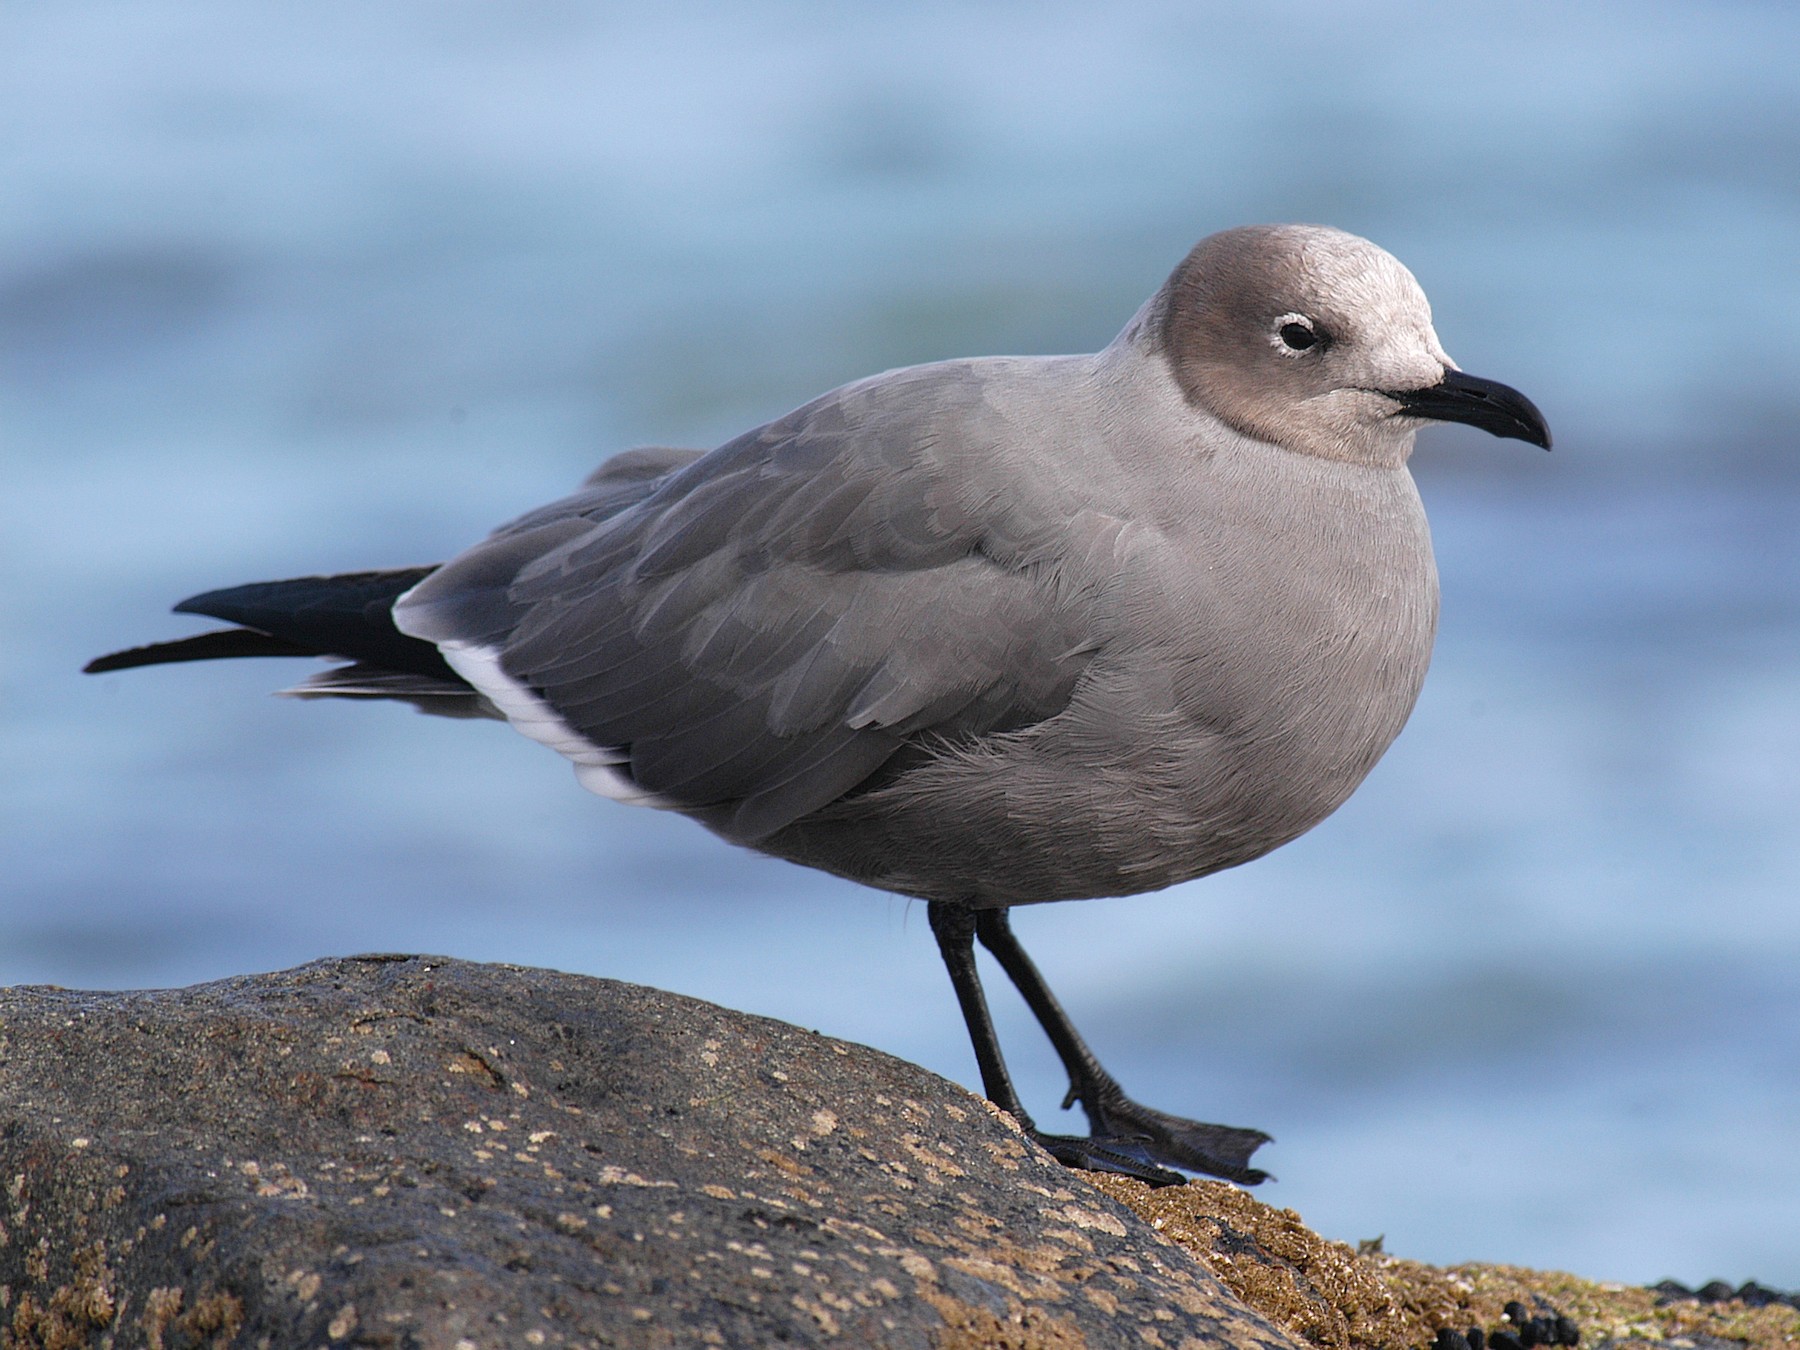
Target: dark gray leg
(1217, 1150)
(955, 927)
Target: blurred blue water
(289, 287)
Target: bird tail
(348, 617)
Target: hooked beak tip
(1493, 407)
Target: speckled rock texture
(419, 1152)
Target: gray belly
(1170, 763)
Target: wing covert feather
(758, 630)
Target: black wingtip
(224, 644)
(266, 604)
(124, 660)
(233, 600)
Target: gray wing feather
(759, 630)
(646, 464)
(361, 680)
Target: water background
(298, 287)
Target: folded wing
(772, 623)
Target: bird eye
(1296, 332)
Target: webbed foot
(1101, 1153)
(1175, 1141)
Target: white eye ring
(1293, 344)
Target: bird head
(1319, 342)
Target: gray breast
(1260, 639)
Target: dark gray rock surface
(413, 1151)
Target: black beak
(1487, 404)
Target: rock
(1361, 1298)
(419, 1152)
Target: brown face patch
(1222, 298)
(1360, 316)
